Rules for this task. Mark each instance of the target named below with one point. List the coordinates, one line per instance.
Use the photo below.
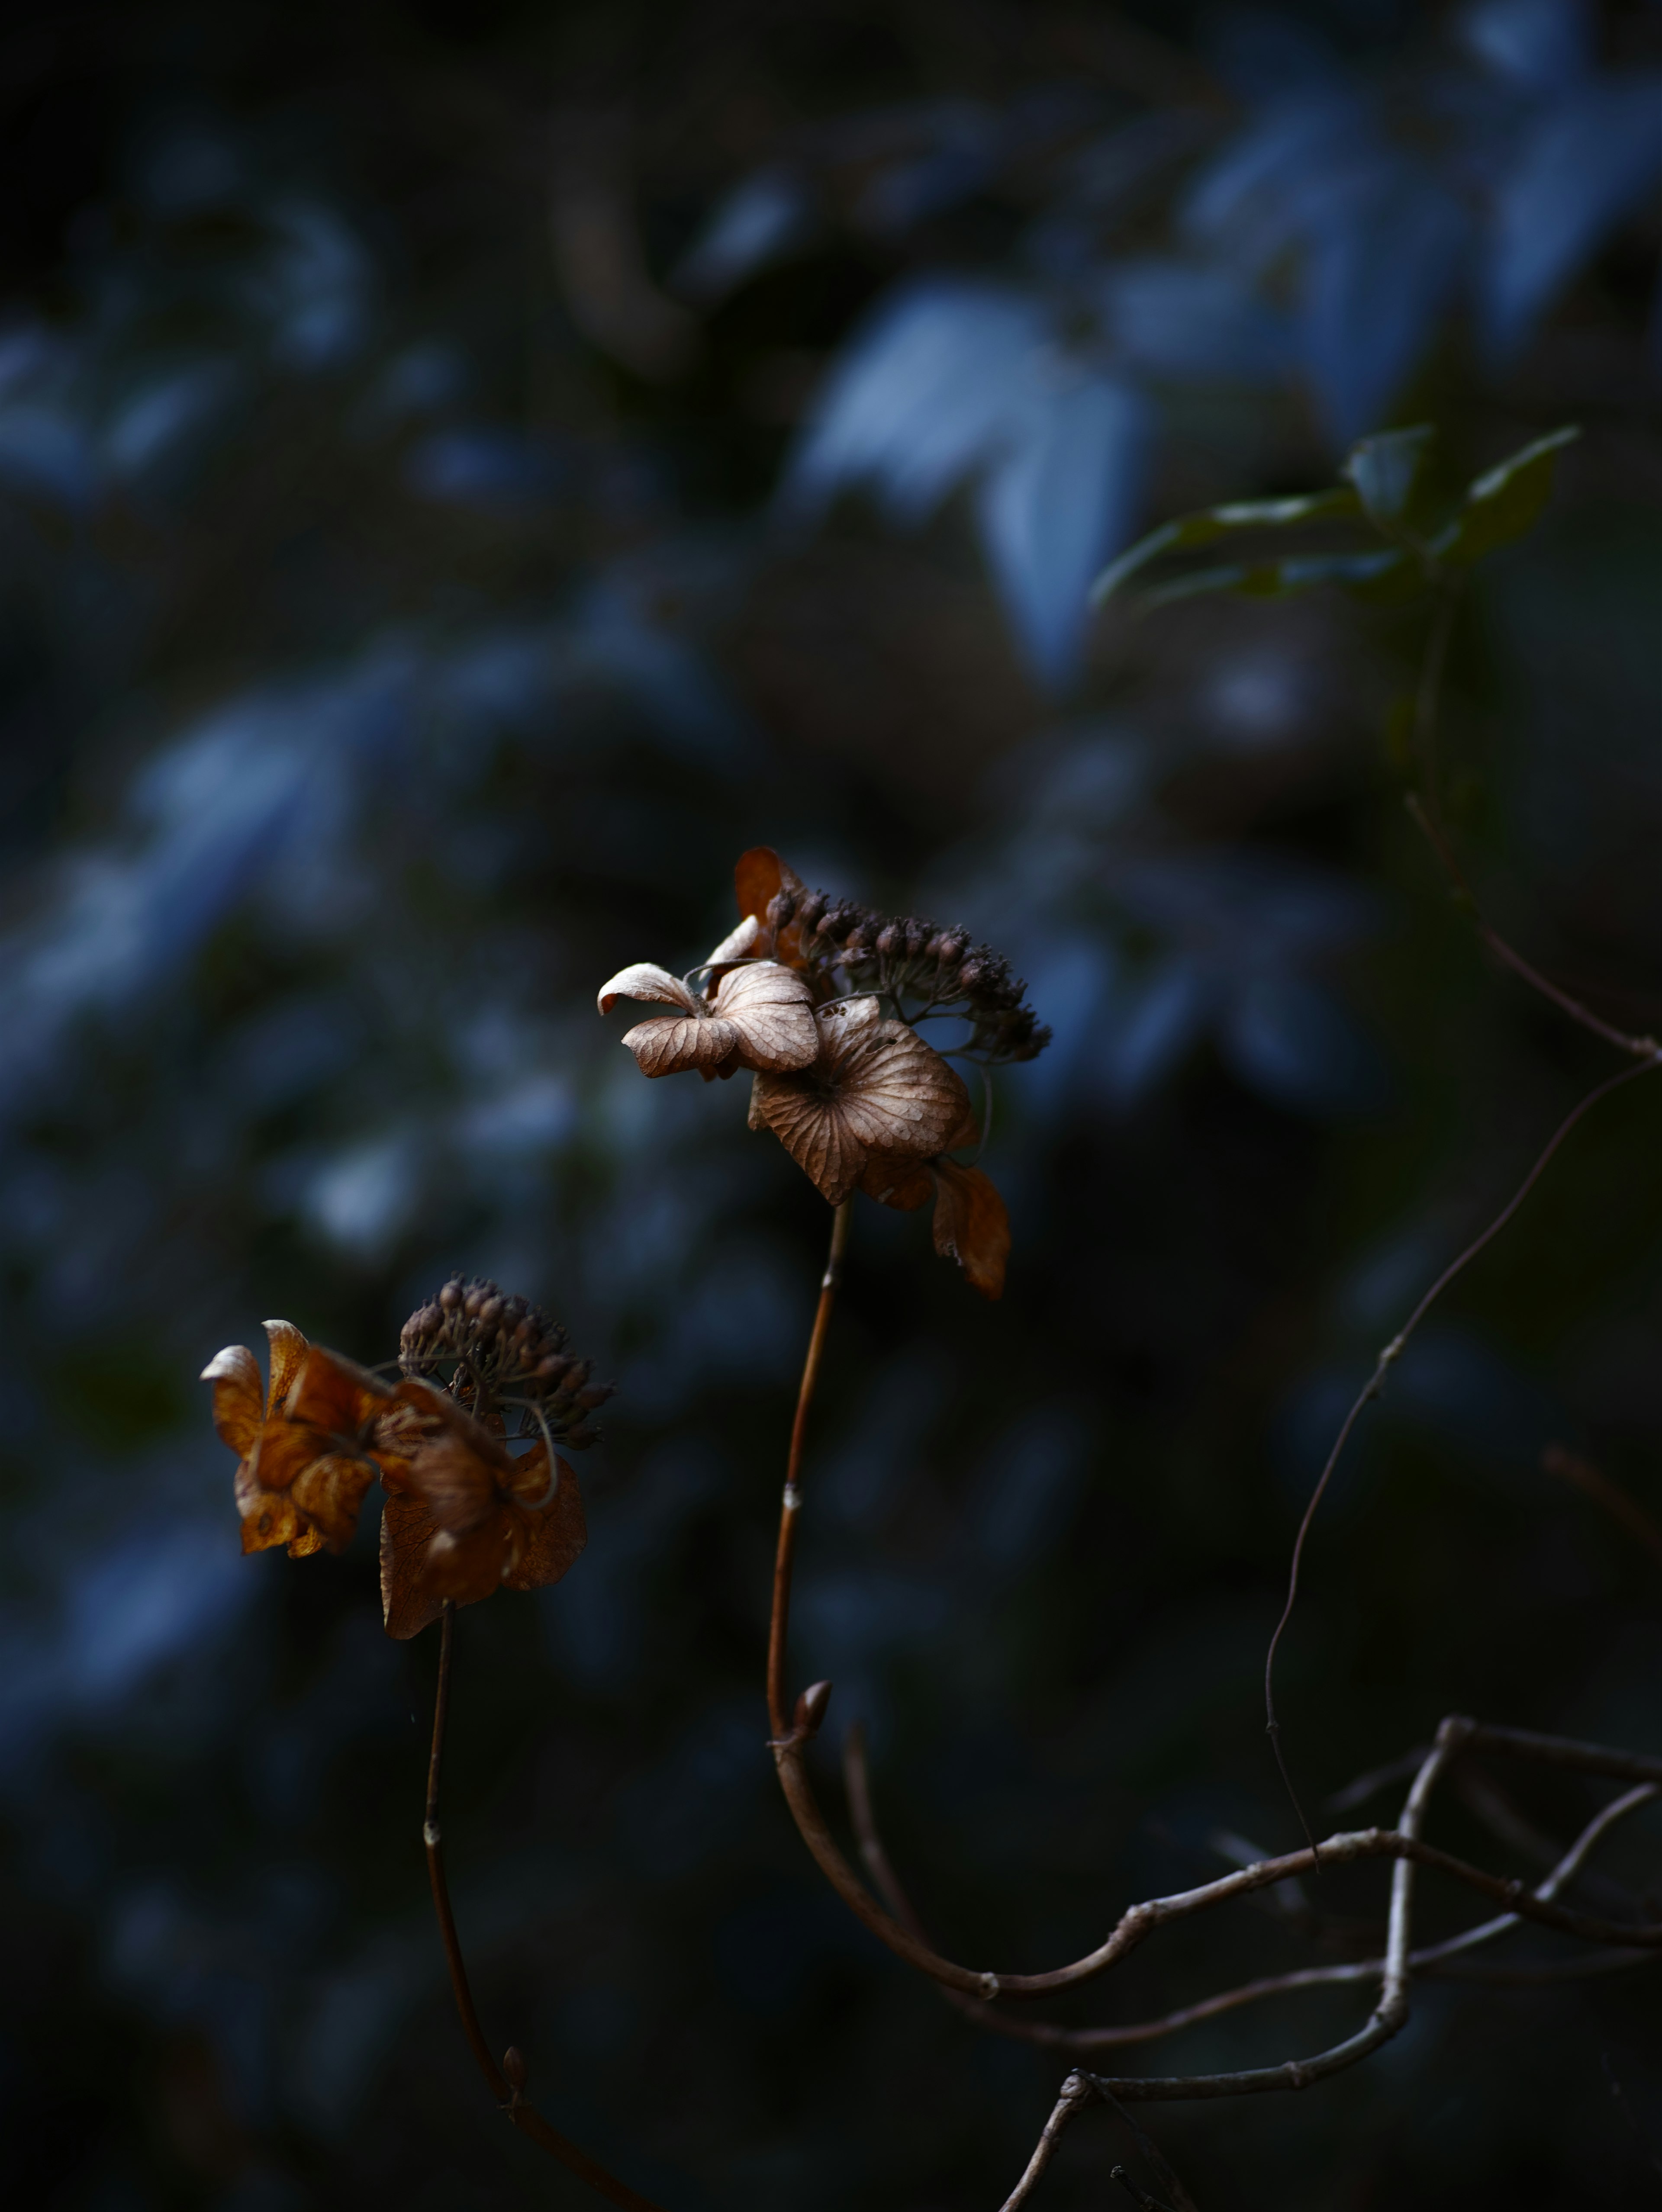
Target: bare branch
(1387, 1359)
(1075, 2092)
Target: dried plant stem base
(506, 2081)
(978, 1993)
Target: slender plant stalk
(507, 2082)
(791, 1504)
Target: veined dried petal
(771, 1009)
(473, 1520)
(304, 1464)
(971, 1225)
(762, 1016)
(875, 1089)
(645, 979)
(670, 1044)
(289, 1350)
(239, 1399)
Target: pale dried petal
(289, 1350)
(239, 1399)
(670, 1043)
(771, 1008)
(737, 942)
(644, 980)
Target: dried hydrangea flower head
(465, 1516)
(498, 1354)
(855, 1096)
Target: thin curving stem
(507, 2082)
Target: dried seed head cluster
(503, 1354)
(796, 994)
(901, 957)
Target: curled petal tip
(234, 1360)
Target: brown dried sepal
(466, 1518)
(304, 1446)
(877, 1093)
(971, 1225)
(758, 877)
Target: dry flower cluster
(857, 1097)
(464, 1516)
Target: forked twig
(1387, 1359)
(506, 2082)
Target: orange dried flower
(306, 1447)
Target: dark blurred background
(466, 473)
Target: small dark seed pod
(451, 1297)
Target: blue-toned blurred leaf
(921, 393)
(769, 215)
(163, 420)
(1060, 499)
(481, 467)
(1385, 250)
(1388, 470)
(46, 453)
(1252, 201)
(1294, 1041)
(1153, 1021)
(1586, 161)
(1206, 322)
(1543, 44)
(960, 148)
(319, 284)
(1188, 532)
(1502, 505)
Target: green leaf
(1501, 506)
(1190, 531)
(1389, 473)
(1391, 575)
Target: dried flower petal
(645, 979)
(761, 1016)
(470, 1519)
(239, 1398)
(875, 1089)
(971, 1225)
(304, 1457)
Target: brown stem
(1642, 1048)
(508, 2092)
(791, 1504)
(1610, 1495)
(1403, 1844)
(1074, 2094)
